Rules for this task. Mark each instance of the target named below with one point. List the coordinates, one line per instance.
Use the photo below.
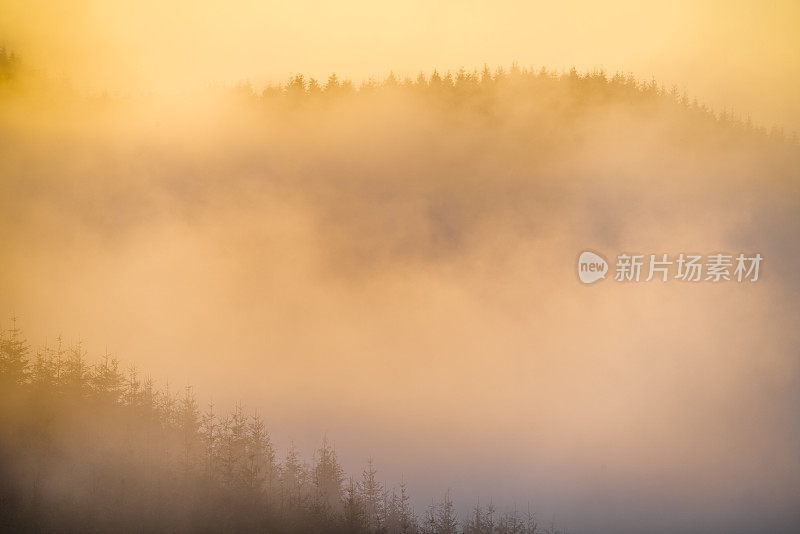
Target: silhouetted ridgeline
(490, 92)
(86, 447)
(486, 90)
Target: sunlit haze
(391, 265)
(737, 54)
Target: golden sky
(739, 54)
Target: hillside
(393, 265)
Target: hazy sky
(733, 53)
(400, 276)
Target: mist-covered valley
(391, 268)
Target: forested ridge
(88, 447)
(493, 92)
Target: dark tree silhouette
(115, 453)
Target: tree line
(9, 64)
(87, 446)
(484, 88)
(481, 88)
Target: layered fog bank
(395, 268)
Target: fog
(395, 270)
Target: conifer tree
(106, 380)
(232, 447)
(75, 379)
(43, 372)
(189, 427)
(293, 479)
(372, 495)
(328, 477)
(14, 352)
(446, 520)
(353, 509)
(209, 432)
